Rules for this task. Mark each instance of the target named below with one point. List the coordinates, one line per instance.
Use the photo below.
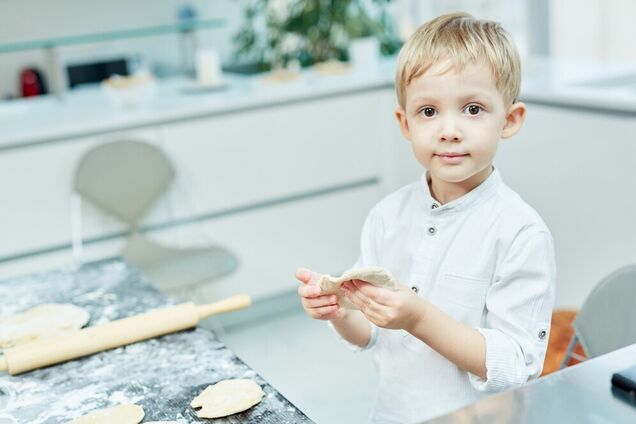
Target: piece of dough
(227, 397)
(120, 414)
(375, 275)
(40, 322)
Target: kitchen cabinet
(578, 170)
(282, 187)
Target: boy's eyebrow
(462, 99)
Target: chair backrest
(606, 319)
(124, 178)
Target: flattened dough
(120, 414)
(40, 322)
(376, 275)
(227, 397)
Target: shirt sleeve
(519, 311)
(355, 348)
(369, 254)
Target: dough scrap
(120, 414)
(40, 322)
(227, 397)
(375, 275)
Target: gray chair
(606, 319)
(125, 179)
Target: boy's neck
(445, 192)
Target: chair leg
(568, 353)
(76, 227)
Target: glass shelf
(183, 27)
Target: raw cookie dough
(40, 322)
(375, 275)
(227, 397)
(120, 414)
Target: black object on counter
(625, 380)
(93, 72)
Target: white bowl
(130, 92)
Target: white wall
(512, 14)
(601, 30)
(22, 20)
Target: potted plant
(276, 33)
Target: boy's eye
(473, 109)
(428, 112)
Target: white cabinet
(282, 186)
(578, 169)
(254, 156)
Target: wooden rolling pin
(41, 353)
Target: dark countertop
(579, 394)
(162, 375)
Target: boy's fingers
(358, 298)
(309, 291)
(303, 274)
(323, 311)
(378, 294)
(307, 276)
(320, 301)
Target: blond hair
(461, 39)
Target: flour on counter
(161, 375)
(42, 321)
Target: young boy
(477, 263)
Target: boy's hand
(395, 309)
(317, 304)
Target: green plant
(277, 32)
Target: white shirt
(486, 259)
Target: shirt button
(432, 230)
(415, 289)
(542, 334)
(434, 206)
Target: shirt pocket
(464, 297)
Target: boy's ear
(400, 114)
(514, 119)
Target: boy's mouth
(451, 157)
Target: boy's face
(454, 121)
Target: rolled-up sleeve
(356, 348)
(518, 313)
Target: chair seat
(172, 268)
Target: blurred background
(274, 122)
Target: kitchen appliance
(32, 83)
(96, 71)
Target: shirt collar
(483, 190)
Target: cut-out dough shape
(40, 322)
(376, 275)
(120, 414)
(227, 397)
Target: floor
(304, 361)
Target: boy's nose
(450, 132)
